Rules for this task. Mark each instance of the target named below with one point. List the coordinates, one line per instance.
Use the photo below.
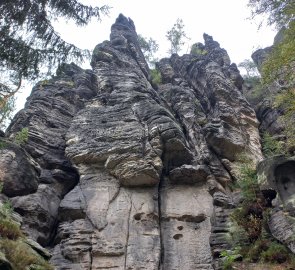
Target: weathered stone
(188, 174)
(18, 174)
(35, 246)
(282, 228)
(128, 169)
(221, 199)
(39, 212)
(278, 174)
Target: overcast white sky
(225, 20)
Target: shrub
(156, 76)
(6, 209)
(254, 251)
(247, 181)
(198, 49)
(271, 146)
(21, 256)
(22, 136)
(249, 216)
(2, 144)
(286, 101)
(276, 253)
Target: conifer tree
(29, 44)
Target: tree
(176, 36)
(149, 47)
(281, 13)
(29, 44)
(250, 68)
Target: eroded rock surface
(131, 174)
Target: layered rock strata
(130, 174)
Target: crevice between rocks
(161, 257)
(127, 238)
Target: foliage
(156, 76)
(9, 229)
(271, 147)
(176, 36)
(286, 101)
(280, 65)
(247, 180)
(252, 239)
(22, 136)
(249, 216)
(6, 209)
(275, 253)
(281, 13)
(7, 100)
(3, 143)
(198, 49)
(149, 47)
(21, 256)
(228, 258)
(29, 43)
(250, 68)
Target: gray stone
(278, 174)
(34, 245)
(188, 174)
(282, 228)
(17, 172)
(128, 169)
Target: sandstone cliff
(123, 174)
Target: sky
(226, 20)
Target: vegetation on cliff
(251, 239)
(280, 13)
(29, 44)
(15, 252)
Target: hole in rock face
(285, 180)
(137, 216)
(269, 195)
(180, 228)
(103, 121)
(177, 236)
(42, 217)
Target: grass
(10, 229)
(21, 256)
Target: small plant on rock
(22, 136)
(156, 76)
(21, 256)
(9, 229)
(271, 146)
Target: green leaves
(281, 63)
(149, 47)
(29, 43)
(176, 36)
(271, 147)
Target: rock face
(277, 174)
(130, 174)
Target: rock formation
(124, 174)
